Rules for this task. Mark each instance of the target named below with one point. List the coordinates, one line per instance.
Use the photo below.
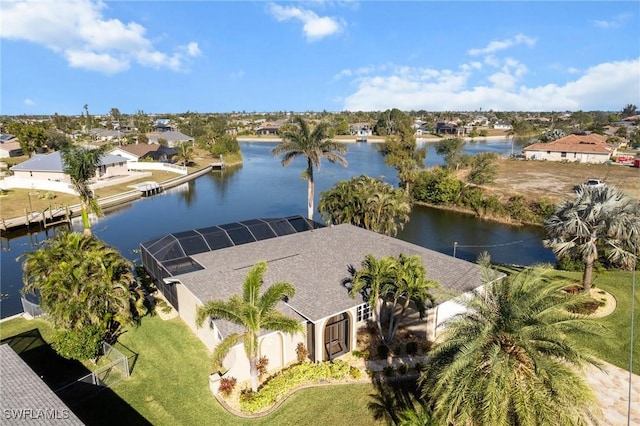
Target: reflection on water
(263, 188)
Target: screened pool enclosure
(170, 255)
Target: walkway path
(612, 390)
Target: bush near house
(276, 387)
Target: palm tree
(511, 358)
(600, 220)
(300, 141)
(253, 312)
(80, 282)
(371, 281)
(366, 202)
(185, 153)
(391, 283)
(410, 284)
(81, 164)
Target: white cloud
(29, 102)
(314, 27)
(80, 32)
(498, 45)
(237, 75)
(605, 86)
(617, 22)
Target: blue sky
(211, 56)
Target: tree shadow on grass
(93, 404)
(392, 397)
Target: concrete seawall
(104, 202)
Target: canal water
(262, 188)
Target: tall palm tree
(300, 141)
(80, 281)
(81, 164)
(371, 281)
(511, 358)
(392, 284)
(254, 312)
(410, 284)
(600, 220)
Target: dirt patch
(555, 181)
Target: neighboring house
(173, 137)
(162, 125)
(591, 148)
(479, 120)
(502, 125)
(105, 135)
(269, 128)
(49, 167)
(360, 129)
(443, 128)
(143, 151)
(9, 146)
(194, 267)
(26, 399)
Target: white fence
(144, 165)
(36, 184)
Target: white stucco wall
(570, 156)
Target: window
(563, 155)
(363, 312)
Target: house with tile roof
(585, 148)
(194, 267)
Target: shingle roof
(316, 263)
(170, 136)
(26, 399)
(591, 143)
(53, 162)
(140, 149)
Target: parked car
(594, 182)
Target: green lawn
(169, 384)
(615, 349)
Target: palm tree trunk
(86, 225)
(253, 363)
(587, 276)
(310, 190)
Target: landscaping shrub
(227, 384)
(383, 351)
(361, 354)
(388, 371)
(280, 384)
(302, 353)
(418, 366)
(80, 344)
(412, 348)
(355, 373)
(397, 350)
(262, 364)
(403, 369)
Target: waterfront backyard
(170, 369)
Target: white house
(194, 267)
(590, 148)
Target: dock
(218, 164)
